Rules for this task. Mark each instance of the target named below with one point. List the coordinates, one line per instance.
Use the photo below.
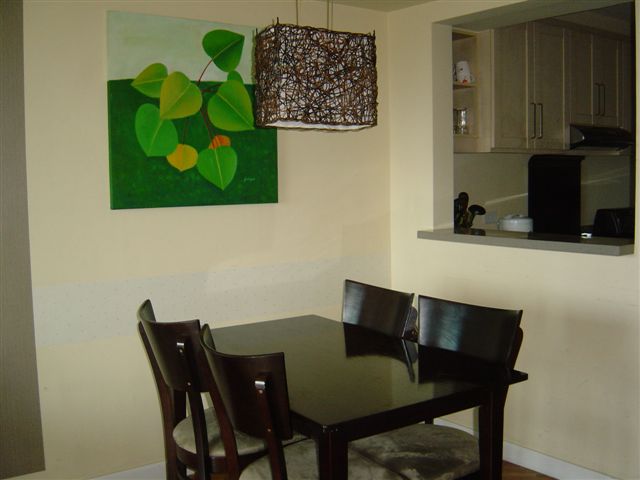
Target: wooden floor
(515, 472)
(509, 472)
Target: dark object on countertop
(554, 193)
(463, 216)
(614, 222)
(475, 210)
(460, 209)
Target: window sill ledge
(535, 241)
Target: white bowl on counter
(515, 223)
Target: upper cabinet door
(546, 94)
(596, 65)
(510, 125)
(605, 80)
(581, 93)
(529, 87)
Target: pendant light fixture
(315, 78)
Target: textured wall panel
(21, 449)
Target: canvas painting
(181, 125)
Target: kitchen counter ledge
(535, 241)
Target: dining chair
(437, 452)
(254, 391)
(387, 311)
(201, 441)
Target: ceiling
(382, 5)
(612, 15)
(620, 11)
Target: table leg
(491, 436)
(332, 456)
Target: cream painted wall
(581, 315)
(92, 266)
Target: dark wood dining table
(347, 382)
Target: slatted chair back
(387, 311)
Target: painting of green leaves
(181, 126)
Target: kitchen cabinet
(528, 89)
(595, 79)
(546, 86)
(510, 127)
(465, 96)
(474, 96)
(535, 79)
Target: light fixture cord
(329, 14)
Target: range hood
(589, 136)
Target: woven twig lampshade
(315, 78)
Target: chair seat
(302, 464)
(423, 451)
(184, 438)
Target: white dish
(515, 223)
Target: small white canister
(515, 223)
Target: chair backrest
(146, 312)
(176, 347)
(240, 378)
(491, 334)
(176, 350)
(387, 311)
(172, 404)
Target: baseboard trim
(512, 453)
(154, 471)
(538, 462)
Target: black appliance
(554, 193)
(614, 222)
(589, 136)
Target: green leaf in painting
(183, 157)
(235, 76)
(230, 108)
(149, 81)
(218, 166)
(156, 136)
(224, 47)
(179, 97)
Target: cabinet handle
(533, 124)
(541, 120)
(604, 99)
(600, 99)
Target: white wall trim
(512, 453)
(155, 471)
(538, 462)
